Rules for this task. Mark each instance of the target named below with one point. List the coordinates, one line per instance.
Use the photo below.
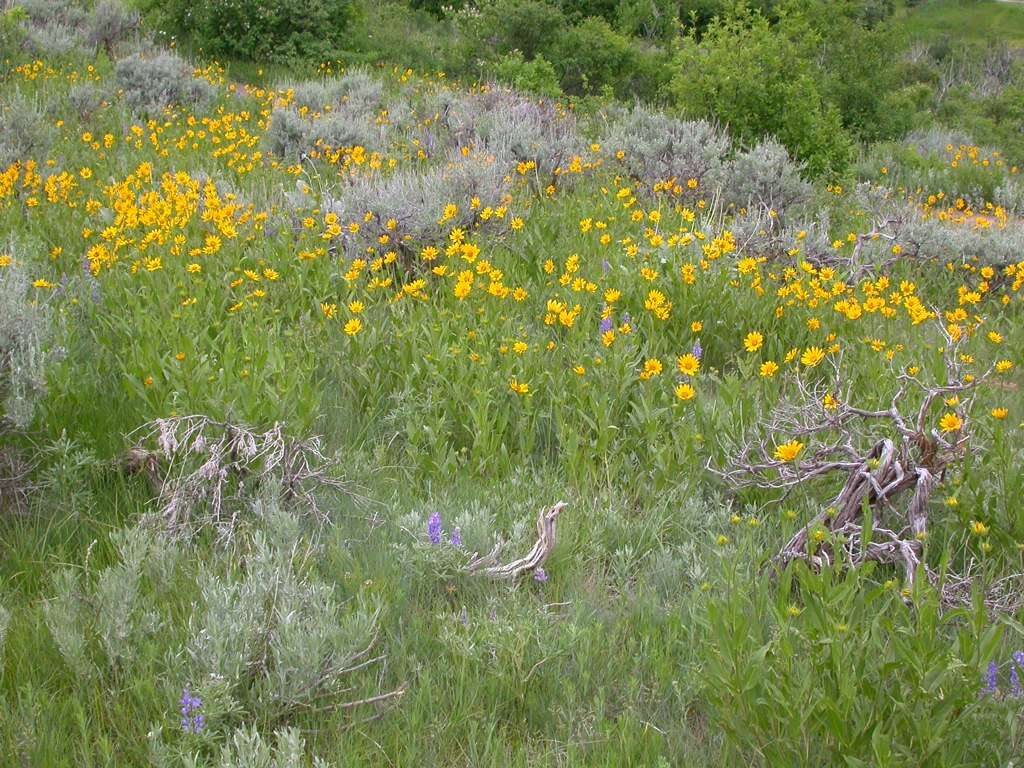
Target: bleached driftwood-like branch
(489, 564)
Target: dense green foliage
(263, 30)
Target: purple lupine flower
(606, 325)
(698, 350)
(1016, 689)
(540, 575)
(456, 537)
(990, 678)
(192, 720)
(434, 528)
(605, 266)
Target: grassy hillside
(296, 375)
(977, 21)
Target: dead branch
(375, 699)
(16, 484)
(881, 454)
(206, 471)
(490, 566)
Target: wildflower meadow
(356, 413)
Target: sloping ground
(979, 20)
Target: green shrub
(11, 33)
(648, 19)
(278, 30)
(758, 81)
(532, 27)
(534, 76)
(593, 58)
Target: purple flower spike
(456, 538)
(191, 719)
(991, 678)
(697, 349)
(540, 575)
(1016, 668)
(434, 528)
(606, 325)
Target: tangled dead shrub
(207, 473)
(881, 455)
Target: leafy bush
(758, 81)
(151, 84)
(276, 30)
(593, 58)
(534, 76)
(11, 33)
(850, 49)
(532, 27)
(649, 19)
